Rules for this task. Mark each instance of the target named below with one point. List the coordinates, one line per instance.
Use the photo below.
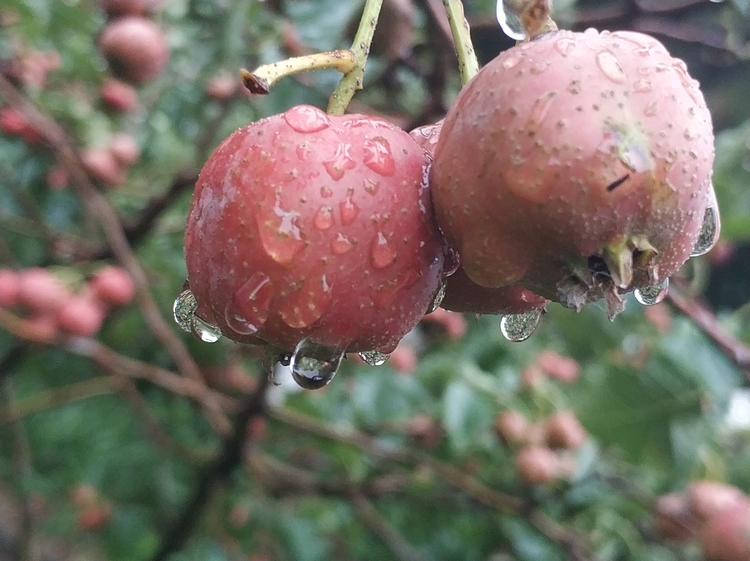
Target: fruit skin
(324, 234)
(81, 316)
(710, 498)
(10, 286)
(461, 293)
(118, 96)
(564, 430)
(41, 292)
(112, 285)
(537, 465)
(582, 145)
(726, 536)
(135, 47)
(101, 165)
(125, 149)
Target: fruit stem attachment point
(468, 65)
(353, 79)
(261, 80)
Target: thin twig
(468, 65)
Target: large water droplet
(642, 86)
(510, 61)
(650, 295)
(541, 108)
(313, 365)
(381, 254)
(247, 310)
(348, 209)
(437, 298)
(305, 306)
(610, 66)
(451, 261)
(205, 331)
(709, 233)
(184, 309)
(340, 163)
(341, 244)
(509, 21)
(307, 119)
(374, 358)
(280, 234)
(519, 327)
(378, 156)
(324, 218)
(565, 46)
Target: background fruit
(135, 47)
(577, 170)
(305, 225)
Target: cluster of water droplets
(184, 309)
(509, 20)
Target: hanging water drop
(509, 20)
(650, 295)
(374, 358)
(437, 298)
(205, 331)
(313, 365)
(709, 233)
(184, 309)
(519, 327)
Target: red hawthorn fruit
(577, 165)
(512, 426)
(557, 366)
(564, 430)
(135, 47)
(222, 87)
(116, 8)
(672, 518)
(40, 292)
(41, 327)
(112, 285)
(310, 226)
(461, 293)
(81, 316)
(453, 324)
(726, 536)
(125, 149)
(12, 121)
(537, 465)
(10, 286)
(709, 498)
(101, 165)
(118, 96)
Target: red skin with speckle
(567, 146)
(312, 226)
(461, 293)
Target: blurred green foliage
(654, 397)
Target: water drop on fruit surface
(610, 66)
(184, 309)
(324, 218)
(709, 233)
(313, 365)
(437, 298)
(340, 163)
(374, 358)
(247, 310)
(341, 244)
(205, 331)
(642, 86)
(650, 295)
(378, 156)
(451, 261)
(381, 254)
(305, 306)
(280, 234)
(519, 327)
(348, 209)
(509, 21)
(565, 46)
(306, 119)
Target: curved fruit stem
(467, 57)
(352, 80)
(260, 80)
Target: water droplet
(509, 21)
(511, 61)
(519, 327)
(324, 218)
(610, 66)
(709, 233)
(541, 108)
(314, 366)
(348, 209)
(650, 295)
(381, 254)
(184, 309)
(326, 192)
(642, 86)
(378, 156)
(371, 187)
(205, 331)
(651, 109)
(374, 358)
(340, 163)
(307, 119)
(280, 234)
(451, 261)
(691, 134)
(565, 46)
(305, 306)
(437, 298)
(341, 244)
(539, 67)
(247, 310)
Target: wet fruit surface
(590, 169)
(305, 226)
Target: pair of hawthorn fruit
(572, 168)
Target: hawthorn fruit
(135, 47)
(590, 167)
(310, 227)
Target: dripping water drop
(437, 298)
(313, 365)
(709, 233)
(509, 20)
(651, 295)
(184, 309)
(374, 358)
(519, 327)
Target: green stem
(467, 58)
(352, 81)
